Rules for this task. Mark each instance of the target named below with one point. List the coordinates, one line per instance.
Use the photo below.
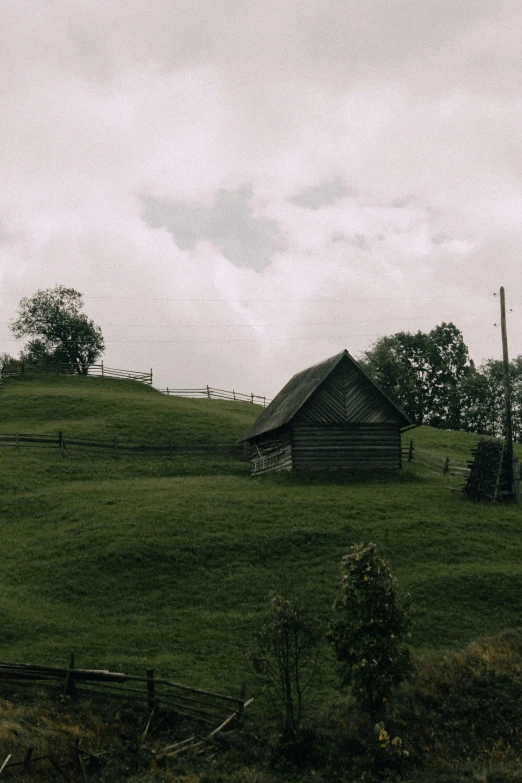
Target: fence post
(150, 689)
(167, 391)
(102, 368)
(208, 392)
(241, 707)
(69, 684)
(410, 452)
(27, 760)
(233, 395)
(445, 469)
(516, 481)
(251, 397)
(151, 376)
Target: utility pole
(507, 390)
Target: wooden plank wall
(334, 447)
(272, 451)
(347, 396)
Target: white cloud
(412, 109)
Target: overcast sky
(241, 189)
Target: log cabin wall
(271, 451)
(345, 446)
(330, 416)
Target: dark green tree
(482, 399)
(60, 332)
(369, 628)
(7, 361)
(422, 373)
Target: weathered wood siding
(334, 447)
(329, 417)
(272, 451)
(347, 396)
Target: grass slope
(104, 407)
(169, 561)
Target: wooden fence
(151, 691)
(432, 462)
(24, 368)
(210, 393)
(436, 464)
(115, 445)
(100, 370)
(155, 694)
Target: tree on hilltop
(60, 332)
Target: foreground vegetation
(457, 720)
(168, 561)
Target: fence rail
(444, 466)
(116, 445)
(72, 369)
(100, 370)
(197, 703)
(432, 462)
(211, 393)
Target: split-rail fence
(157, 695)
(71, 369)
(101, 371)
(434, 463)
(150, 690)
(116, 445)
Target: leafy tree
(368, 629)
(286, 656)
(422, 372)
(61, 333)
(482, 397)
(7, 361)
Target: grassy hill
(168, 561)
(104, 407)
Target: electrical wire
(313, 323)
(271, 299)
(234, 339)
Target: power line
(313, 323)
(271, 299)
(233, 339)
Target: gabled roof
(299, 389)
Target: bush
(368, 629)
(286, 657)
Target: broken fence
(151, 691)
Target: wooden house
(330, 416)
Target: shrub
(368, 629)
(286, 657)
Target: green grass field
(168, 561)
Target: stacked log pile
(488, 479)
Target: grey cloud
(335, 40)
(103, 101)
(321, 196)
(228, 224)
